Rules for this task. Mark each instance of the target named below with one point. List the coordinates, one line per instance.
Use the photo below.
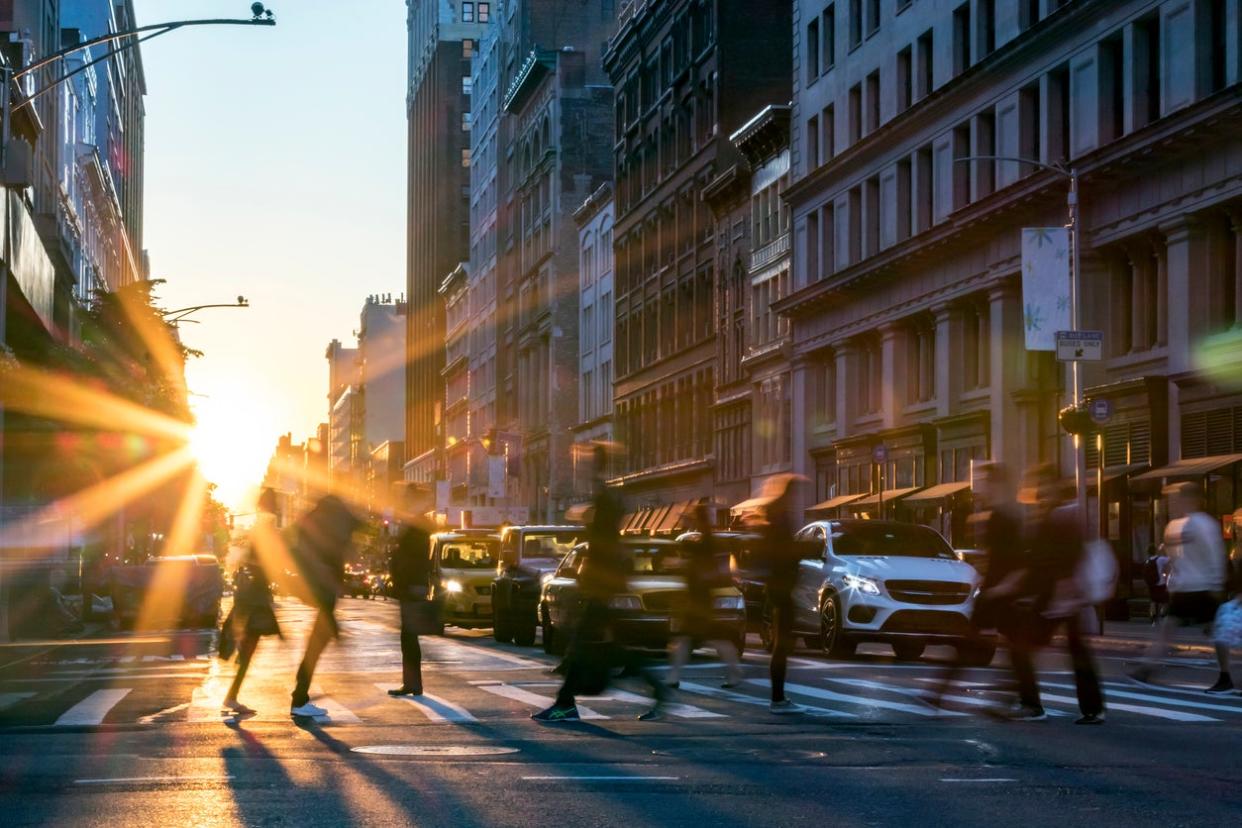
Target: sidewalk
(1138, 634)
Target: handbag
(227, 643)
(262, 621)
(1227, 628)
(423, 616)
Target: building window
(467, 12)
(961, 39)
(873, 101)
(465, 120)
(921, 361)
(855, 114)
(976, 345)
(923, 69)
(485, 12)
(812, 142)
(465, 157)
(828, 53)
(871, 219)
(812, 51)
(904, 79)
(824, 390)
(467, 85)
(855, 23)
(873, 17)
(828, 144)
(870, 376)
(467, 48)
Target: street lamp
(1073, 416)
(180, 314)
(261, 16)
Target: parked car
(463, 566)
(356, 585)
(877, 580)
(527, 554)
(168, 591)
(644, 613)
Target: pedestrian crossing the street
(897, 696)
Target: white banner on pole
(495, 476)
(1045, 286)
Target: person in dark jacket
(1001, 542)
(604, 573)
(324, 538)
(410, 570)
(782, 557)
(253, 615)
(704, 573)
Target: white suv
(878, 580)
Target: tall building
(595, 327)
(344, 409)
(442, 37)
(906, 303)
(687, 75)
(560, 149)
(381, 369)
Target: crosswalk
(838, 696)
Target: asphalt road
(127, 731)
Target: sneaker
(1090, 719)
(557, 713)
(655, 714)
(309, 710)
(1222, 687)
(783, 707)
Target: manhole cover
(435, 750)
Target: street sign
(1101, 410)
(879, 454)
(1073, 346)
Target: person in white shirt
(1197, 576)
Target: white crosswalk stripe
(743, 698)
(1174, 715)
(680, 711)
(92, 709)
(1111, 693)
(921, 693)
(863, 701)
(435, 708)
(508, 691)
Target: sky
(275, 169)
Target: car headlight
(863, 585)
(625, 602)
(729, 602)
(453, 587)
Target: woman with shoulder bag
(253, 615)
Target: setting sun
(231, 442)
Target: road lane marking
(92, 709)
(9, 699)
(829, 695)
(986, 779)
(1143, 710)
(435, 708)
(742, 698)
(508, 691)
(337, 712)
(919, 693)
(1147, 697)
(681, 711)
(123, 780)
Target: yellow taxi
(463, 564)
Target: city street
(127, 729)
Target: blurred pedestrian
(1000, 540)
(253, 615)
(1056, 547)
(1156, 576)
(781, 556)
(694, 619)
(1198, 576)
(324, 536)
(410, 568)
(593, 652)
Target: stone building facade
(595, 334)
(906, 303)
(686, 77)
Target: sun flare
(231, 443)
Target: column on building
(1009, 421)
(892, 358)
(1186, 275)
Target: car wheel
(500, 626)
(549, 632)
(832, 640)
(524, 633)
(977, 655)
(908, 650)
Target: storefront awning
(889, 496)
(749, 505)
(673, 517)
(1112, 473)
(631, 520)
(1195, 467)
(937, 493)
(834, 503)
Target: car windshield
(549, 544)
(471, 554)
(889, 540)
(655, 560)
